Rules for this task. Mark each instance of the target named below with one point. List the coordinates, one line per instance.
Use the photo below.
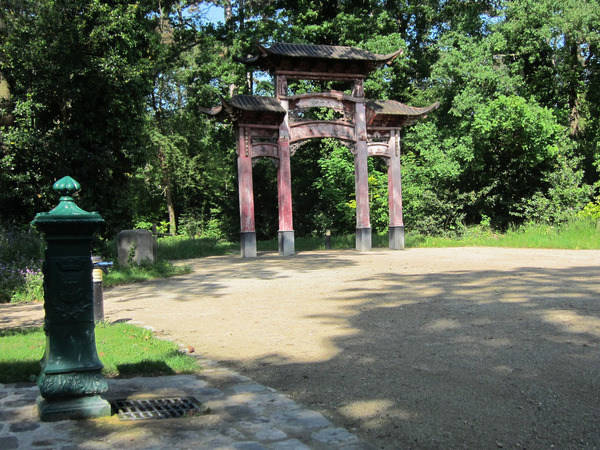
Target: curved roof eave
(395, 108)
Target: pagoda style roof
(256, 103)
(394, 108)
(250, 103)
(309, 60)
(323, 52)
(248, 107)
(391, 113)
(252, 108)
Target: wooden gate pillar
(284, 177)
(396, 228)
(361, 173)
(246, 191)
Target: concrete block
(286, 243)
(248, 244)
(363, 239)
(139, 246)
(396, 238)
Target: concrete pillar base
(363, 239)
(87, 407)
(396, 238)
(248, 244)
(286, 243)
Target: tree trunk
(171, 209)
(574, 104)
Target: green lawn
(577, 235)
(125, 350)
(133, 274)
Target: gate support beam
(284, 178)
(246, 191)
(396, 227)
(361, 174)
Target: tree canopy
(110, 93)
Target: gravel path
(422, 348)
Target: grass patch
(340, 242)
(132, 274)
(125, 350)
(576, 235)
(181, 247)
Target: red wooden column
(284, 177)
(361, 172)
(246, 192)
(396, 228)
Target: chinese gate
(274, 127)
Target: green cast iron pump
(70, 379)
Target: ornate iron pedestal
(70, 380)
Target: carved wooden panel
(378, 149)
(319, 102)
(265, 150)
(316, 129)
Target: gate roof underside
(252, 109)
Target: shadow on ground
(477, 359)
(209, 282)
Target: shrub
(20, 255)
(32, 289)
(591, 210)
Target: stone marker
(137, 246)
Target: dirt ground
(421, 348)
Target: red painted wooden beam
(246, 190)
(395, 181)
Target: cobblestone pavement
(241, 415)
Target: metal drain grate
(156, 408)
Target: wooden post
(284, 177)
(361, 173)
(396, 228)
(246, 192)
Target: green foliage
(515, 146)
(565, 196)
(20, 258)
(334, 186)
(161, 227)
(432, 167)
(515, 138)
(32, 289)
(60, 59)
(180, 247)
(591, 210)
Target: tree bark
(170, 209)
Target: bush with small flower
(21, 277)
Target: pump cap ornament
(67, 210)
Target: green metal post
(70, 380)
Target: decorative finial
(67, 210)
(66, 187)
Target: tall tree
(80, 73)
